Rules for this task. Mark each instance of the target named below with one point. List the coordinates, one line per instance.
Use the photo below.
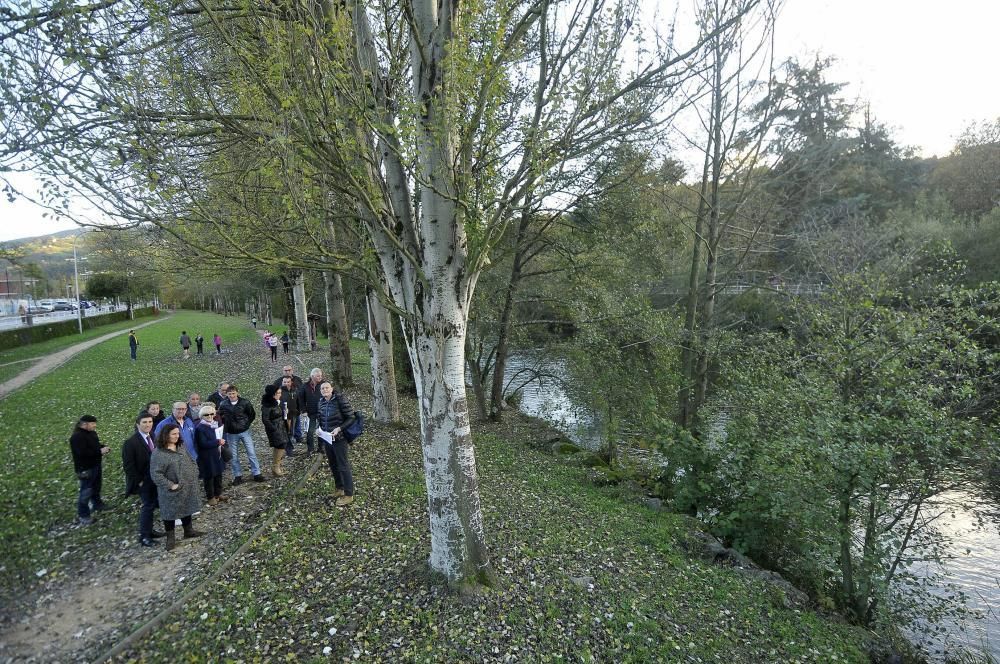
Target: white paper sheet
(324, 435)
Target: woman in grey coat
(176, 477)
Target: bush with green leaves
(838, 438)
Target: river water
(972, 564)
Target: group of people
(168, 460)
(271, 343)
(199, 342)
(133, 344)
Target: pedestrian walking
(186, 344)
(272, 342)
(199, 341)
(133, 344)
(284, 342)
(88, 457)
(217, 340)
(254, 321)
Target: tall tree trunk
(506, 316)
(689, 353)
(458, 540)
(301, 318)
(386, 399)
(339, 331)
(478, 380)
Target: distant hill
(42, 240)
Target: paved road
(50, 362)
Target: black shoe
(157, 534)
(146, 541)
(238, 480)
(259, 478)
(101, 507)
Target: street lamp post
(76, 279)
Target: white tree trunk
(386, 401)
(301, 319)
(458, 540)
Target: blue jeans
(233, 439)
(90, 491)
(147, 493)
(131, 351)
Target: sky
(927, 67)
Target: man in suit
(135, 461)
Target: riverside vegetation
(586, 573)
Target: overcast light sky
(928, 67)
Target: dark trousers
(147, 494)
(284, 346)
(218, 348)
(169, 525)
(274, 353)
(90, 492)
(131, 351)
(311, 433)
(201, 348)
(340, 465)
(213, 487)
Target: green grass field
(37, 482)
(43, 348)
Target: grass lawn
(585, 575)
(37, 483)
(43, 348)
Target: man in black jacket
(288, 372)
(290, 408)
(309, 402)
(219, 396)
(88, 455)
(237, 415)
(135, 461)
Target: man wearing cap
(135, 461)
(88, 455)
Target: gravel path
(50, 362)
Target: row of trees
(490, 176)
(397, 141)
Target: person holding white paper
(334, 413)
(210, 465)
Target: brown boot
(338, 493)
(171, 540)
(191, 533)
(276, 469)
(344, 501)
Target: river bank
(969, 519)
